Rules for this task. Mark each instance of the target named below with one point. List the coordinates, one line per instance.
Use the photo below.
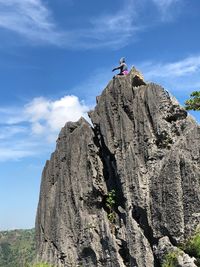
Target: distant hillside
(17, 248)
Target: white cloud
(29, 18)
(187, 66)
(33, 20)
(16, 151)
(179, 77)
(163, 4)
(167, 8)
(33, 129)
(10, 131)
(49, 116)
(117, 29)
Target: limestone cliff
(142, 147)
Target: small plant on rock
(171, 259)
(110, 203)
(194, 102)
(192, 246)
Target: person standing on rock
(122, 67)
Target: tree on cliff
(194, 102)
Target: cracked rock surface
(146, 148)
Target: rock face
(144, 148)
(165, 247)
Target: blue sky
(56, 56)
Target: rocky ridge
(143, 147)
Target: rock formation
(142, 147)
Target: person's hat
(122, 60)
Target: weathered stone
(143, 146)
(165, 248)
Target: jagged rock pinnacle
(143, 147)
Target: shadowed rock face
(144, 147)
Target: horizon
(57, 57)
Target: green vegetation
(171, 259)
(17, 248)
(194, 102)
(110, 203)
(192, 247)
(41, 265)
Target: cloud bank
(186, 66)
(180, 76)
(46, 116)
(33, 20)
(30, 19)
(33, 128)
